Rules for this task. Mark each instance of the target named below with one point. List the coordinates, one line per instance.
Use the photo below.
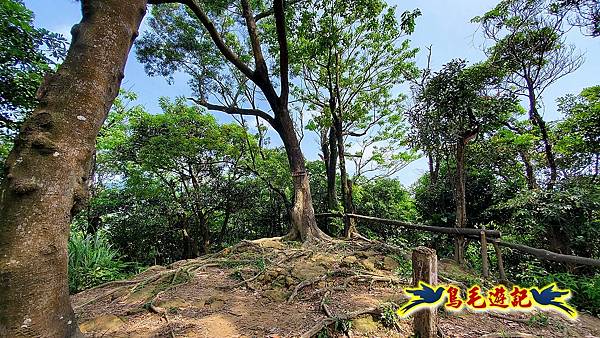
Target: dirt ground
(268, 288)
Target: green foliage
(389, 315)
(383, 198)
(578, 134)
(343, 326)
(93, 261)
(571, 211)
(529, 45)
(435, 202)
(349, 56)
(324, 333)
(455, 102)
(27, 54)
(172, 185)
(6, 144)
(404, 266)
(538, 319)
(585, 289)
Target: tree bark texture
(190, 247)
(225, 224)
(48, 171)
(424, 261)
(204, 234)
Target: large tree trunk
(304, 225)
(460, 200)
(48, 169)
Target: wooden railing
(482, 235)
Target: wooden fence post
(500, 261)
(424, 265)
(484, 256)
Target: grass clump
(93, 261)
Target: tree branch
(235, 110)
(367, 128)
(271, 11)
(278, 7)
(259, 59)
(230, 55)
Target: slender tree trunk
(331, 171)
(324, 140)
(304, 225)
(337, 117)
(537, 120)
(529, 173)
(558, 240)
(434, 168)
(48, 170)
(204, 245)
(430, 163)
(190, 247)
(349, 223)
(461, 210)
(224, 225)
(548, 150)
(329, 150)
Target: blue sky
(445, 25)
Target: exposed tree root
(163, 313)
(262, 257)
(309, 282)
(245, 282)
(324, 303)
(452, 281)
(372, 279)
(95, 299)
(501, 316)
(508, 335)
(184, 272)
(304, 284)
(115, 283)
(357, 235)
(332, 319)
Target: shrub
(92, 261)
(585, 289)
